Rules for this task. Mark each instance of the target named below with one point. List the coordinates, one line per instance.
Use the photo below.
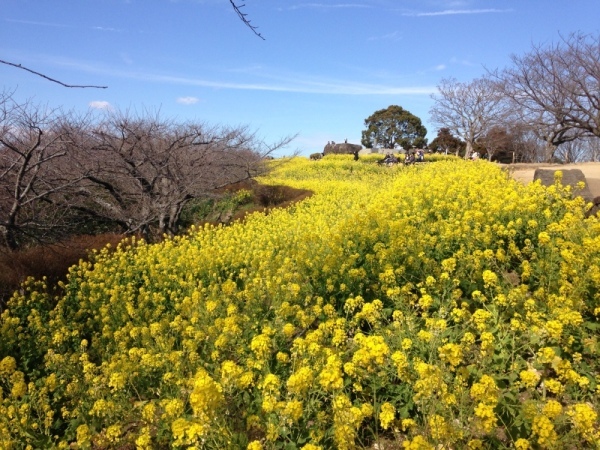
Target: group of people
(389, 160)
(410, 157)
(414, 156)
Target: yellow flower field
(441, 306)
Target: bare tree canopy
(136, 172)
(468, 110)
(32, 147)
(579, 56)
(140, 171)
(555, 90)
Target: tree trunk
(9, 237)
(469, 149)
(549, 150)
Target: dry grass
(53, 261)
(50, 261)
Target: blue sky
(323, 68)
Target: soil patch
(570, 177)
(525, 172)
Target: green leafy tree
(392, 128)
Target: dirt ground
(524, 172)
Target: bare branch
(237, 8)
(19, 66)
(468, 110)
(242, 17)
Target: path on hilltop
(524, 172)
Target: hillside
(444, 305)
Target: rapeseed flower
(585, 421)
(451, 353)
(386, 415)
(417, 443)
(285, 325)
(543, 428)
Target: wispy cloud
(462, 62)
(394, 36)
(328, 6)
(452, 12)
(267, 80)
(188, 100)
(41, 24)
(250, 69)
(100, 104)
(306, 86)
(108, 29)
(61, 25)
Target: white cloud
(440, 67)
(43, 24)
(328, 6)
(267, 80)
(187, 100)
(462, 62)
(452, 12)
(306, 86)
(394, 36)
(62, 25)
(300, 84)
(104, 28)
(99, 104)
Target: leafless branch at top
(243, 18)
(19, 66)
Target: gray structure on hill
(570, 177)
(341, 149)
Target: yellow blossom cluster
(440, 306)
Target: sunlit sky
(323, 68)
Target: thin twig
(242, 16)
(19, 66)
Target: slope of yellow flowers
(443, 306)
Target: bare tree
(579, 55)
(539, 87)
(32, 142)
(140, 171)
(524, 146)
(571, 152)
(586, 149)
(468, 109)
(495, 140)
(135, 171)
